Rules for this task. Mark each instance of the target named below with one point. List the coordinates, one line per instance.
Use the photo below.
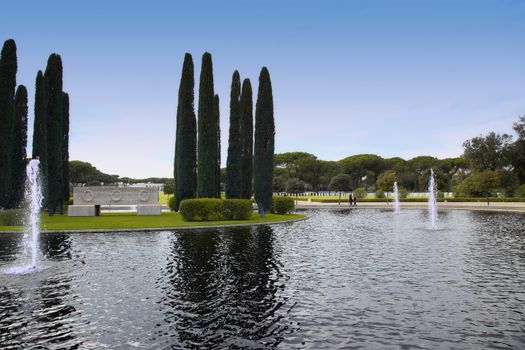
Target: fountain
(432, 203)
(397, 209)
(33, 199)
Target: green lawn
(131, 220)
(163, 198)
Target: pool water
(354, 278)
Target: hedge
(215, 209)
(237, 209)
(12, 217)
(282, 205)
(171, 203)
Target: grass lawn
(163, 198)
(131, 220)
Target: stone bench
(81, 210)
(150, 209)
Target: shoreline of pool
(482, 206)
(173, 228)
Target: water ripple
(343, 279)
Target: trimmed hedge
(12, 217)
(237, 209)
(171, 203)
(282, 205)
(214, 209)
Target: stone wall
(101, 195)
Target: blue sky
(394, 77)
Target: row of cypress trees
(197, 160)
(13, 129)
(50, 137)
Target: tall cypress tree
(65, 146)
(18, 151)
(207, 133)
(186, 140)
(218, 166)
(246, 127)
(233, 163)
(54, 129)
(39, 130)
(264, 143)
(8, 67)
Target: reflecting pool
(342, 279)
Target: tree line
(491, 164)
(249, 168)
(51, 132)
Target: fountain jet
(432, 203)
(33, 196)
(397, 208)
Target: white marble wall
(101, 195)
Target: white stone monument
(87, 201)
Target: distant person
(350, 199)
(355, 201)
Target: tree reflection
(223, 288)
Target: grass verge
(131, 220)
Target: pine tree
(186, 139)
(233, 163)
(54, 131)
(65, 147)
(207, 133)
(8, 68)
(246, 132)
(264, 143)
(18, 151)
(218, 166)
(39, 130)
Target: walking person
(350, 200)
(355, 201)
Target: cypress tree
(65, 146)
(18, 152)
(246, 127)
(39, 130)
(8, 67)
(218, 166)
(233, 163)
(54, 131)
(264, 143)
(186, 140)
(207, 133)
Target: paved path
(494, 206)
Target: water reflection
(224, 288)
(57, 246)
(36, 309)
(10, 245)
(343, 279)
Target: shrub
(282, 205)
(171, 203)
(520, 192)
(403, 192)
(12, 217)
(237, 209)
(70, 201)
(360, 193)
(380, 194)
(201, 209)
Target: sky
(394, 77)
